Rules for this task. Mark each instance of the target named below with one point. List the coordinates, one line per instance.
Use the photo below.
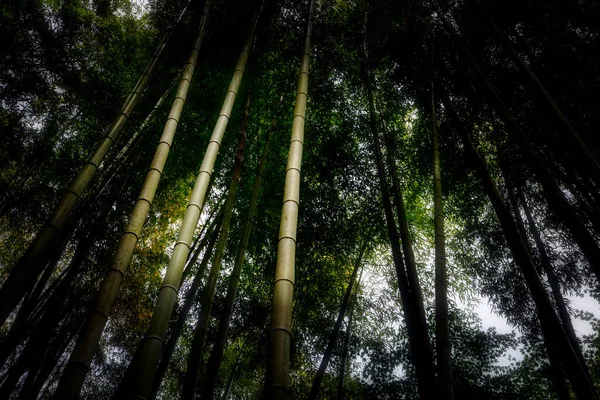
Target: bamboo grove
(290, 199)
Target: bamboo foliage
(278, 364)
(81, 357)
(30, 266)
(196, 351)
(144, 367)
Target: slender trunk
(81, 357)
(144, 366)
(216, 357)
(556, 197)
(442, 331)
(344, 360)
(316, 385)
(25, 273)
(420, 355)
(190, 296)
(552, 279)
(232, 376)
(197, 350)
(576, 372)
(280, 334)
(580, 152)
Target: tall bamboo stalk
(144, 367)
(25, 273)
(580, 151)
(442, 331)
(183, 314)
(278, 362)
(550, 322)
(316, 385)
(83, 352)
(216, 357)
(554, 194)
(197, 349)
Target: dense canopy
(299, 199)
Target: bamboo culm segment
(216, 357)
(197, 349)
(278, 363)
(144, 366)
(25, 273)
(81, 357)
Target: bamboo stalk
(83, 352)
(144, 366)
(278, 364)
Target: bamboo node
(137, 237)
(166, 285)
(69, 190)
(154, 169)
(161, 340)
(185, 243)
(286, 330)
(285, 279)
(288, 237)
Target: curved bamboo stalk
(30, 266)
(216, 357)
(144, 367)
(278, 364)
(83, 352)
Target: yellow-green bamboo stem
(216, 357)
(30, 266)
(197, 350)
(144, 366)
(83, 352)
(278, 364)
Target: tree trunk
(81, 357)
(190, 296)
(556, 198)
(576, 372)
(25, 273)
(216, 357)
(144, 366)
(280, 335)
(316, 385)
(197, 350)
